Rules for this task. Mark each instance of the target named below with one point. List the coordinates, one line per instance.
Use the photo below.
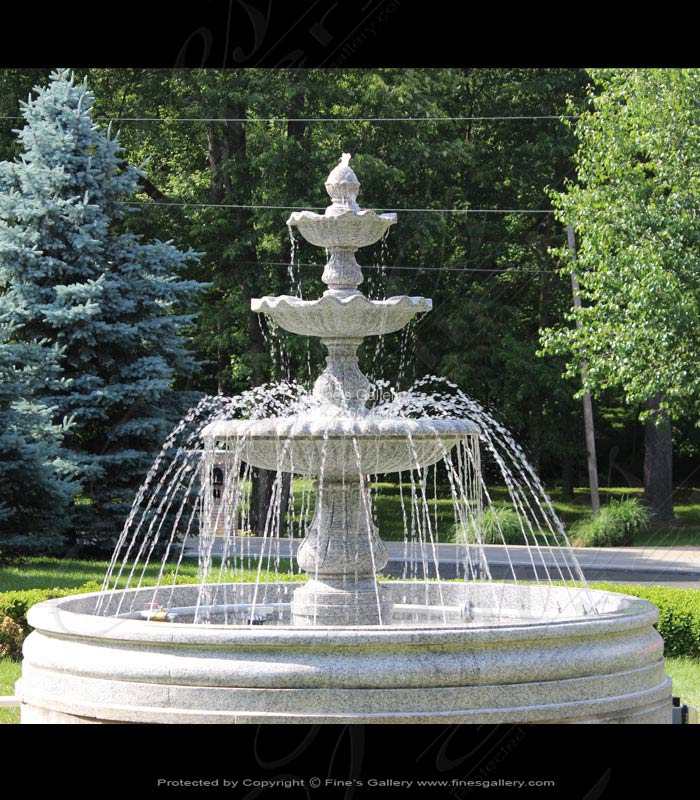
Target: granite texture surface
(337, 316)
(604, 665)
(339, 444)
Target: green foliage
(615, 525)
(634, 209)
(14, 84)
(110, 304)
(679, 615)
(36, 478)
(14, 606)
(11, 639)
(495, 525)
(483, 333)
(10, 672)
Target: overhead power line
(321, 208)
(445, 268)
(244, 120)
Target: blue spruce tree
(36, 481)
(112, 303)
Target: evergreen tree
(36, 481)
(111, 302)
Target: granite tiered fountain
(338, 645)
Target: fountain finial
(343, 187)
(342, 229)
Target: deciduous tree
(634, 206)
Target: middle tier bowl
(331, 316)
(337, 447)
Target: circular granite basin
(543, 661)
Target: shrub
(13, 612)
(495, 525)
(679, 615)
(11, 639)
(8, 558)
(615, 525)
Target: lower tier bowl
(338, 446)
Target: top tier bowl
(348, 229)
(344, 224)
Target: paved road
(669, 566)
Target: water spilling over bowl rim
(348, 316)
(314, 425)
(342, 227)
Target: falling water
(407, 348)
(179, 513)
(377, 289)
(294, 269)
(196, 502)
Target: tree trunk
(658, 462)
(261, 507)
(227, 150)
(567, 478)
(214, 153)
(263, 479)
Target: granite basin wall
(546, 661)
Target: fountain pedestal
(342, 384)
(342, 554)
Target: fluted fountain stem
(342, 274)
(342, 383)
(341, 554)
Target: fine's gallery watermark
(375, 782)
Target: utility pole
(587, 404)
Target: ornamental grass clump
(497, 525)
(615, 525)
(11, 639)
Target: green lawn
(685, 673)
(685, 530)
(49, 573)
(9, 673)
(52, 573)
